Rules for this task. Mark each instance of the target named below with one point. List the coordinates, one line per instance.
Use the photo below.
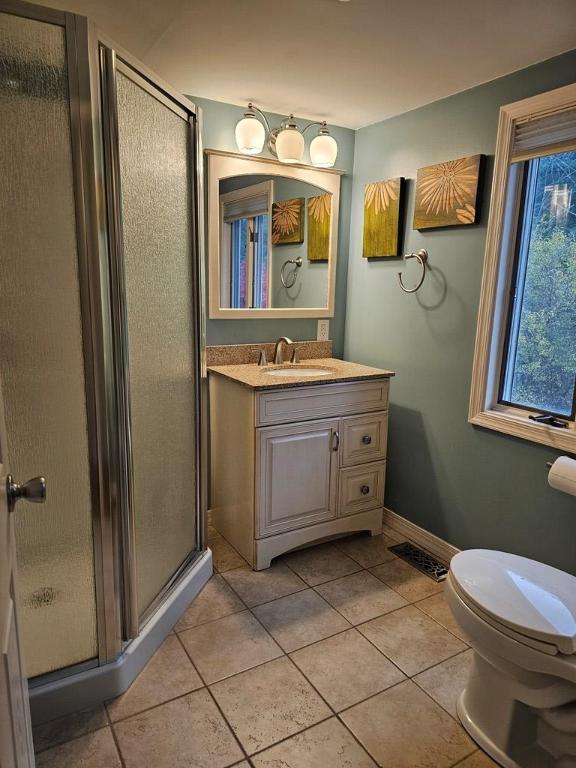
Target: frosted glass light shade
(290, 146)
(323, 150)
(250, 135)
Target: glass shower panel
(41, 356)
(156, 181)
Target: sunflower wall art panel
(448, 194)
(319, 215)
(383, 212)
(288, 222)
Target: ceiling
(351, 63)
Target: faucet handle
(295, 356)
(262, 359)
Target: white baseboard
(398, 526)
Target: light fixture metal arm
(316, 122)
(262, 115)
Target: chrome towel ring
(422, 257)
(289, 280)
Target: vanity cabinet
(295, 465)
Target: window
(524, 378)
(540, 351)
(248, 254)
(245, 272)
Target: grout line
(210, 621)
(416, 605)
(155, 706)
(296, 733)
(73, 738)
(438, 664)
(476, 750)
(117, 743)
(216, 704)
(265, 602)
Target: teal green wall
(219, 121)
(473, 487)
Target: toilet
(519, 704)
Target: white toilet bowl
(520, 618)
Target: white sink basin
(297, 372)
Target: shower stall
(101, 351)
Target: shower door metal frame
(103, 370)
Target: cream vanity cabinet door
(296, 475)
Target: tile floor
(339, 656)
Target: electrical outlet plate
(323, 330)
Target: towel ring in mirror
(289, 279)
(422, 257)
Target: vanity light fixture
(285, 142)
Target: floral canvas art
(288, 222)
(319, 214)
(448, 194)
(383, 204)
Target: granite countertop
(255, 377)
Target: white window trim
(484, 409)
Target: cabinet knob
(365, 490)
(367, 439)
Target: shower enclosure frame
(125, 640)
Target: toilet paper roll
(562, 475)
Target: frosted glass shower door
(41, 343)
(162, 360)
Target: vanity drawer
(364, 438)
(361, 488)
(302, 403)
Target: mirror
(272, 238)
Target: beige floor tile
(327, 745)
(346, 669)
(168, 674)
(300, 619)
(437, 607)
(224, 556)
(229, 645)
(446, 681)
(215, 600)
(256, 587)
(404, 728)
(94, 750)
(477, 760)
(360, 597)
(406, 580)
(368, 551)
(189, 732)
(269, 703)
(69, 727)
(321, 563)
(411, 640)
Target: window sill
(520, 426)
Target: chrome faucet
(278, 355)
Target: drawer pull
(365, 490)
(335, 440)
(367, 439)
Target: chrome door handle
(34, 490)
(335, 440)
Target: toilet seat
(526, 600)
